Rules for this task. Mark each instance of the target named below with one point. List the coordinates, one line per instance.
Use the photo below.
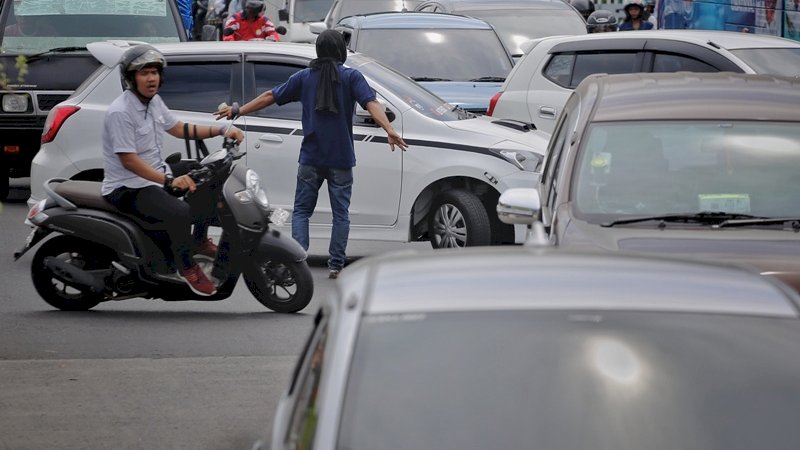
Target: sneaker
(206, 248)
(333, 274)
(197, 281)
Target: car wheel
(458, 219)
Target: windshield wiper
(489, 79)
(36, 56)
(761, 221)
(429, 79)
(704, 217)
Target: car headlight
(523, 159)
(253, 191)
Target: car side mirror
(317, 27)
(522, 206)
(283, 15)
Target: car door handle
(547, 112)
(270, 138)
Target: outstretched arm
(379, 115)
(260, 102)
(205, 132)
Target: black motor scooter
(102, 254)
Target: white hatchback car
(444, 188)
(539, 84)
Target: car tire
(458, 219)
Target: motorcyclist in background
(601, 21)
(249, 24)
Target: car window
(447, 54)
(670, 62)
(303, 422)
(35, 26)
(668, 167)
(559, 69)
(515, 26)
(414, 95)
(603, 62)
(269, 76)
(193, 86)
(555, 154)
(773, 61)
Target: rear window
(772, 61)
(560, 380)
(32, 26)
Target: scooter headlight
(253, 191)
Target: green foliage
(21, 64)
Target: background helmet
(631, 4)
(252, 8)
(137, 58)
(601, 20)
(585, 7)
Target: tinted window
(269, 76)
(36, 26)
(617, 381)
(196, 86)
(518, 26)
(310, 10)
(666, 167)
(668, 62)
(303, 423)
(559, 69)
(773, 61)
(449, 54)
(590, 63)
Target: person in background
(634, 17)
(328, 92)
(601, 21)
(185, 8)
(249, 24)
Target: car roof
(728, 40)
(109, 52)
(693, 96)
(524, 278)
(404, 20)
(475, 5)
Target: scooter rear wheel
(282, 285)
(82, 254)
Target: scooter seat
(85, 193)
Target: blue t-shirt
(327, 138)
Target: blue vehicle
(774, 17)
(461, 59)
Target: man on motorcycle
(250, 23)
(137, 178)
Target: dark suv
(691, 165)
(51, 37)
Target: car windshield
(353, 7)
(443, 54)
(772, 61)
(34, 26)
(647, 168)
(517, 26)
(311, 10)
(414, 95)
(555, 380)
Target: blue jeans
(340, 187)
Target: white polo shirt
(131, 126)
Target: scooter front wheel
(82, 254)
(280, 284)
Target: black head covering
(331, 51)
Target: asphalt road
(142, 373)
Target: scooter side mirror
(283, 15)
(280, 29)
(173, 158)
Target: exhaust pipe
(73, 276)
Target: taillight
(55, 119)
(493, 103)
